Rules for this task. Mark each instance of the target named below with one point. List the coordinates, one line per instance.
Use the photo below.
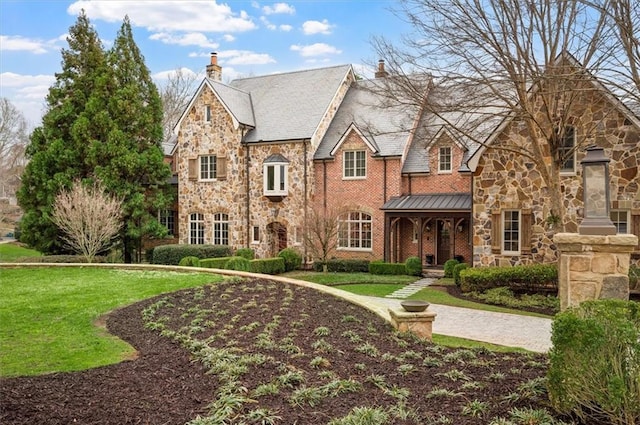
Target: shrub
(292, 259)
(380, 267)
(456, 272)
(17, 230)
(448, 267)
(148, 254)
(247, 253)
(343, 266)
(267, 265)
(594, 369)
(413, 266)
(190, 262)
(238, 263)
(172, 254)
(518, 278)
(215, 263)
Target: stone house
(255, 156)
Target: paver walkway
(514, 330)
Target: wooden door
(443, 241)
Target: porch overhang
(436, 203)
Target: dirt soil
(321, 357)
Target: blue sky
(250, 37)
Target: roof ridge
(292, 72)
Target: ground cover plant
(47, 315)
(271, 353)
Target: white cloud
(285, 28)
(21, 44)
(268, 25)
(170, 15)
(244, 57)
(317, 27)
(279, 8)
(317, 49)
(188, 39)
(229, 38)
(27, 93)
(164, 75)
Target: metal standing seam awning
(446, 205)
(438, 203)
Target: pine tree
(130, 160)
(56, 149)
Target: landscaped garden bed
(264, 352)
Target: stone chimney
(214, 71)
(381, 73)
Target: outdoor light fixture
(595, 187)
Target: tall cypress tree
(130, 160)
(57, 150)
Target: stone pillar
(593, 267)
(419, 324)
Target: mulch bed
(165, 385)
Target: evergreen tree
(56, 149)
(130, 160)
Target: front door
(443, 241)
(278, 237)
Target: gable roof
(626, 110)
(290, 106)
(386, 129)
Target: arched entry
(277, 237)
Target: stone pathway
(412, 288)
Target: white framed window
(354, 165)
(566, 150)
(207, 113)
(275, 179)
(208, 167)
(166, 218)
(444, 159)
(220, 229)
(511, 232)
(620, 219)
(255, 234)
(196, 229)
(354, 231)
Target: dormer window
(444, 159)
(275, 169)
(354, 165)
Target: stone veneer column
(593, 267)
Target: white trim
(627, 220)
(255, 241)
(440, 170)
(211, 179)
(345, 135)
(277, 178)
(355, 162)
(502, 230)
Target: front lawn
(12, 251)
(333, 279)
(47, 315)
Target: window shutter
(221, 168)
(496, 235)
(525, 225)
(635, 226)
(193, 169)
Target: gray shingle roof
(238, 102)
(440, 202)
(387, 128)
(286, 106)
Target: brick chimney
(381, 73)
(214, 71)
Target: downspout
(384, 180)
(248, 188)
(306, 200)
(409, 183)
(324, 183)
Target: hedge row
(265, 265)
(172, 254)
(533, 277)
(380, 267)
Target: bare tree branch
(89, 217)
(175, 96)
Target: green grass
(455, 342)
(10, 252)
(333, 279)
(47, 315)
(373, 290)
